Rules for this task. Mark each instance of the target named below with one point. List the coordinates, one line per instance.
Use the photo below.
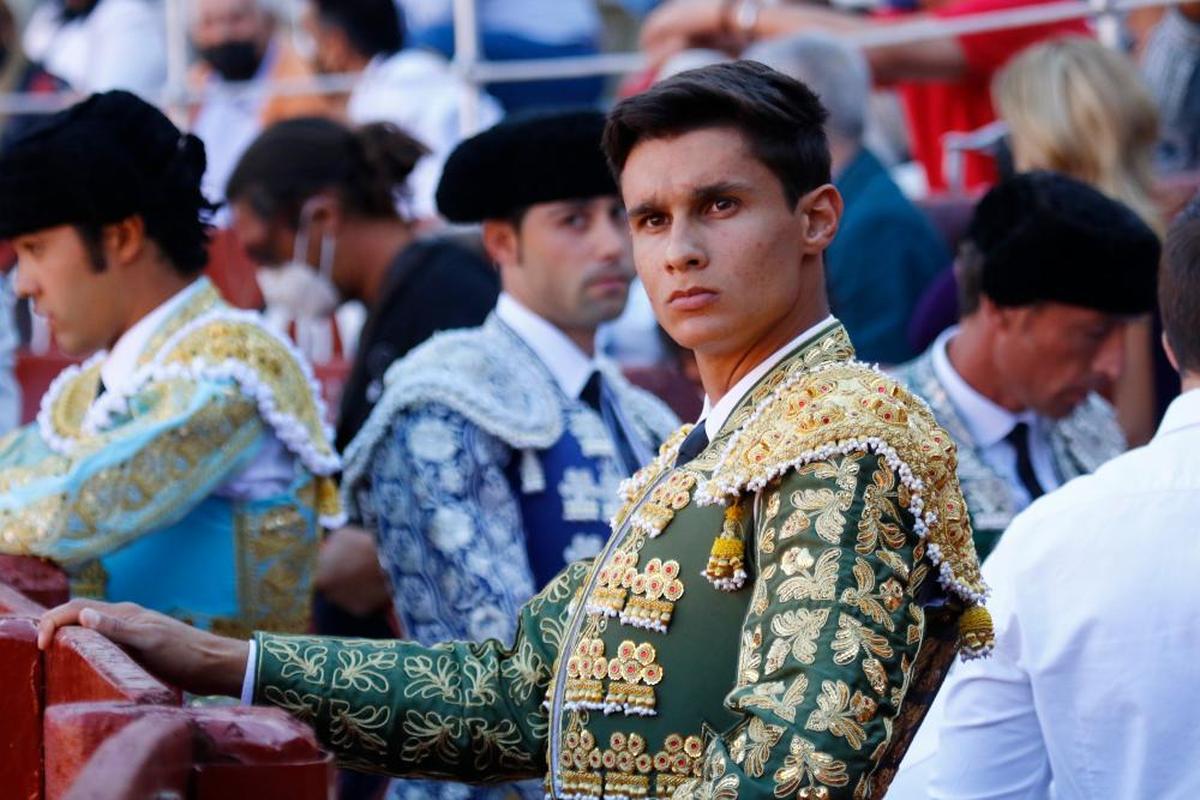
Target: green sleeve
(469, 711)
(828, 644)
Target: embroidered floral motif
(633, 674)
(615, 578)
(632, 489)
(834, 714)
(870, 605)
(670, 496)
(752, 747)
(853, 637)
(587, 668)
(879, 523)
(797, 631)
(805, 768)
(809, 579)
(775, 698)
(750, 657)
(584, 497)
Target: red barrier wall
(260, 753)
(236, 752)
(82, 666)
(149, 757)
(13, 602)
(20, 710)
(37, 579)
(75, 731)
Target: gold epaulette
(840, 407)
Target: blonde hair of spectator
(1075, 106)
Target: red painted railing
(83, 720)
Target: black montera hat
(525, 160)
(105, 159)
(1047, 237)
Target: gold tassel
(726, 568)
(976, 636)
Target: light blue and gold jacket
(122, 488)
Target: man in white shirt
(1050, 274)
(1091, 689)
(413, 88)
(96, 45)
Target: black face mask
(77, 10)
(234, 61)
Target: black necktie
(693, 444)
(1018, 437)
(594, 395)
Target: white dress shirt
(714, 415)
(272, 469)
(988, 424)
(570, 366)
(1091, 691)
(120, 44)
(418, 92)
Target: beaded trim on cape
(490, 377)
(218, 344)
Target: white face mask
(296, 290)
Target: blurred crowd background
(930, 102)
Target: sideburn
(92, 237)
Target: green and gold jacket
(771, 619)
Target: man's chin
(74, 347)
(695, 334)
(1064, 405)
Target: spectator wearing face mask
(240, 50)
(314, 203)
(95, 45)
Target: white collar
(987, 422)
(1184, 412)
(569, 365)
(714, 416)
(122, 360)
